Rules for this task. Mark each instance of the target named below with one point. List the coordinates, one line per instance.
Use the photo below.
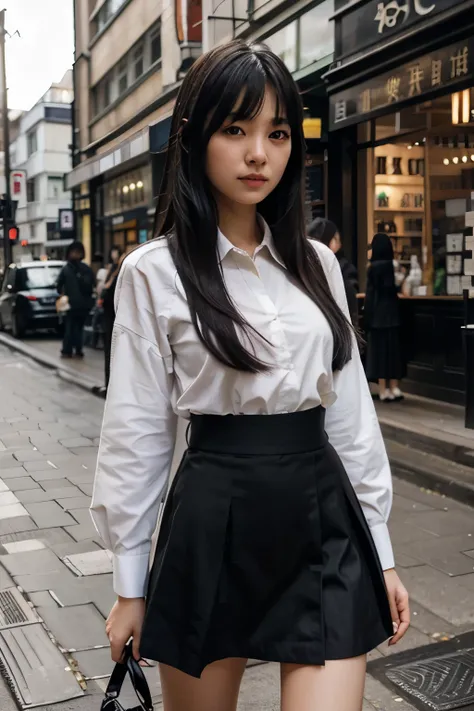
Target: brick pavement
(49, 433)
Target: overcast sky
(44, 51)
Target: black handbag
(131, 667)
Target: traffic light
(13, 234)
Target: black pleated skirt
(384, 355)
(264, 551)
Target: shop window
(31, 195)
(284, 44)
(55, 188)
(32, 143)
(316, 34)
(155, 44)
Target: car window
(40, 277)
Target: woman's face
(114, 256)
(335, 244)
(246, 159)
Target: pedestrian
(233, 319)
(76, 282)
(327, 232)
(107, 296)
(384, 364)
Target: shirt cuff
(382, 541)
(131, 575)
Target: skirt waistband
(291, 433)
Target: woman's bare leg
(216, 690)
(338, 686)
(382, 386)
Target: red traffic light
(13, 234)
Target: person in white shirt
(273, 542)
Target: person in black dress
(327, 232)
(382, 321)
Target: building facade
(40, 155)
(301, 33)
(130, 57)
(401, 145)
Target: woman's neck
(240, 225)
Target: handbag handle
(137, 677)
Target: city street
(49, 433)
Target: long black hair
(323, 230)
(382, 248)
(237, 73)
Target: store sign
(446, 67)
(66, 220)
(375, 21)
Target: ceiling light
(455, 160)
(125, 189)
(472, 158)
(132, 186)
(410, 147)
(464, 159)
(446, 161)
(140, 184)
(417, 143)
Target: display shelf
(414, 210)
(401, 180)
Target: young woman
(382, 320)
(326, 232)
(235, 320)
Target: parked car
(28, 297)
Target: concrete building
(302, 34)
(130, 57)
(40, 155)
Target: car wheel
(18, 329)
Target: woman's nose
(256, 152)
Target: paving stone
(95, 662)
(12, 511)
(426, 621)
(444, 553)
(52, 448)
(43, 599)
(25, 483)
(402, 533)
(7, 460)
(26, 426)
(34, 496)
(7, 498)
(33, 544)
(5, 580)
(443, 595)
(76, 627)
(49, 514)
(40, 437)
(81, 515)
(28, 455)
(16, 440)
(91, 563)
(444, 523)
(13, 472)
(42, 465)
(72, 547)
(82, 531)
(90, 432)
(46, 581)
(78, 502)
(32, 562)
(87, 489)
(383, 698)
(76, 442)
(49, 536)
(47, 475)
(58, 484)
(3, 486)
(84, 478)
(16, 525)
(402, 504)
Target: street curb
(62, 371)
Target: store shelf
(390, 180)
(414, 210)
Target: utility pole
(6, 143)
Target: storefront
(401, 144)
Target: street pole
(6, 141)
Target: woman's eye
(280, 135)
(233, 131)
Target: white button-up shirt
(161, 370)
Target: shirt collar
(224, 246)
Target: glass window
(55, 187)
(316, 34)
(284, 44)
(138, 64)
(32, 143)
(31, 190)
(40, 277)
(155, 44)
(122, 75)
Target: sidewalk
(50, 555)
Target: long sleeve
(354, 432)
(138, 432)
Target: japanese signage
(444, 68)
(373, 22)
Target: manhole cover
(14, 609)
(437, 677)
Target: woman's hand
(399, 606)
(125, 621)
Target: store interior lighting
(140, 184)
